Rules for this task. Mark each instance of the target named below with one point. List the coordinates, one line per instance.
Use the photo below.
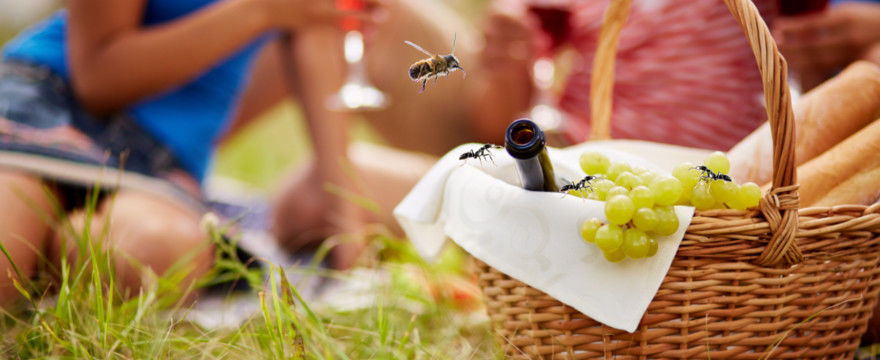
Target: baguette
(862, 188)
(823, 117)
(852, 163)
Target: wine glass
(554, 19)
(356, 94)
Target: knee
(24, 224)
(150, 237)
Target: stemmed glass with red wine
(356, 94)
(554, 18)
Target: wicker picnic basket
(775, 283)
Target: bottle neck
(525, 142)
(524, 139)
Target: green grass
(84, 316)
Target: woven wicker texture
(715, 303)
(778, 283)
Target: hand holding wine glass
(509, 45)
(293, 15)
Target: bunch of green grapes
(708, 186)
(638, 207)
(638, 202)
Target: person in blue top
(147, 86)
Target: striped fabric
(684, 75)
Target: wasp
(433, 67)
(707, 174)
(480, 153)
(583, 184)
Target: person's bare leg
(386, 175)
(298, 216)
(24, 209)
(147, 235)
(383, 176)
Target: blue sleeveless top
(189, 118)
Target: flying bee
(583, 184)
(482, 152)
(433, 67)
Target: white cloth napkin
(535, 236)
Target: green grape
(723, 191)
(616, 168)
(736, 203)
(639, 171)
(686, 173)
(628, 180)
(615, 255)
(601, 187)
(667, 223)
(648, 177)
(685, 198)
(701, 198)
(635, 243)
(652, 246)
(717, 162)
(645, 219)
(750, 194)
(578, 193)
(609, 237)
(619, 209)
(594, 163)
(642, 197)
(588, 229)
(682, 171)
(616, 190)
(667, 190)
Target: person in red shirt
(684, 75)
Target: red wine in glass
(801, 7)
(555, 21)
(349, 23)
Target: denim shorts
(40, 116)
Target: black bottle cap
(524, 139)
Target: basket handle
(780, 204)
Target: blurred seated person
(151, 84)
(684, 75)
(819, 44)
